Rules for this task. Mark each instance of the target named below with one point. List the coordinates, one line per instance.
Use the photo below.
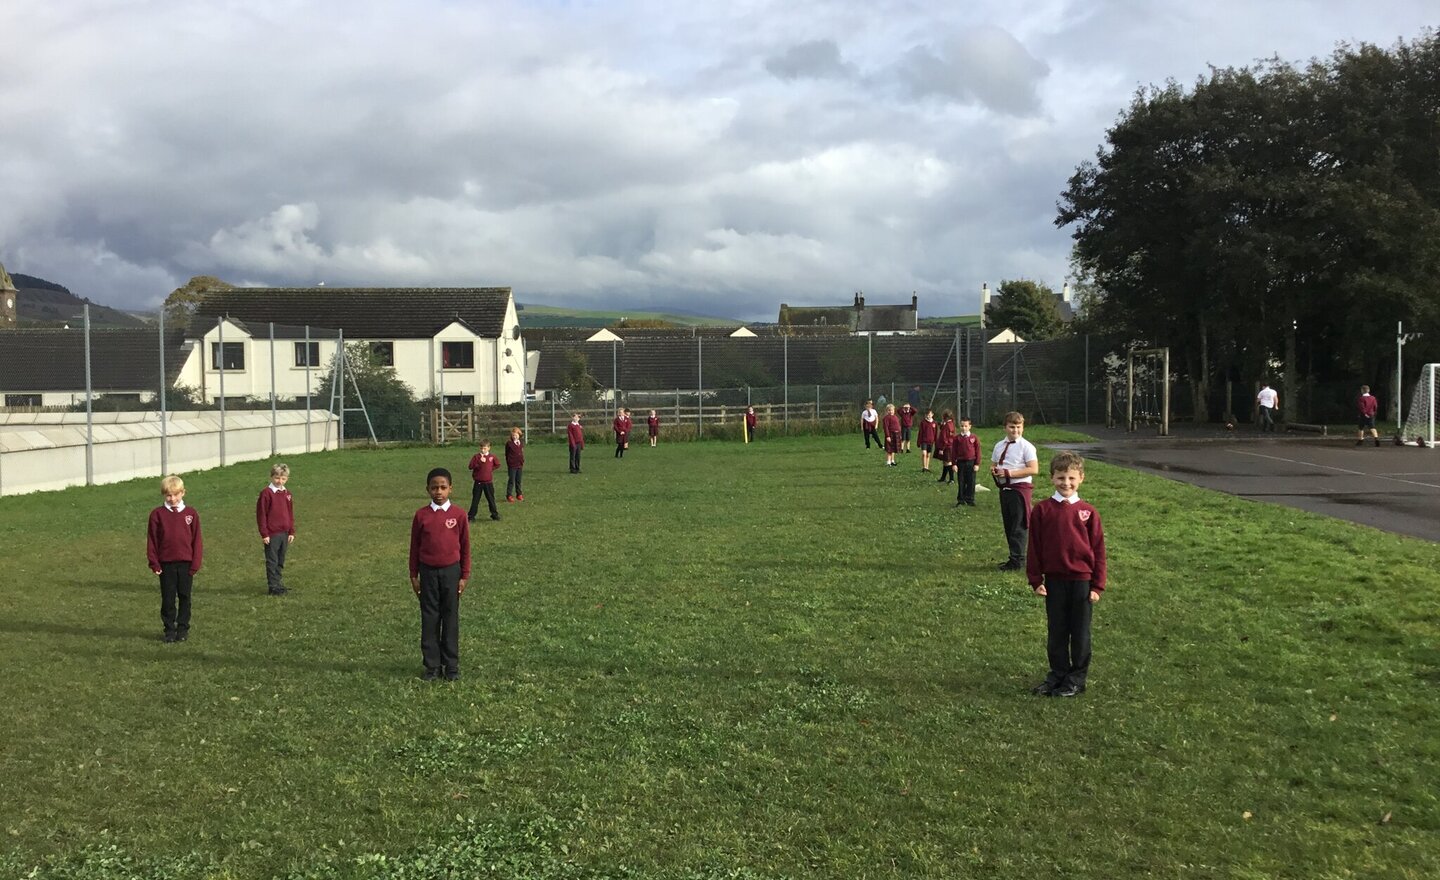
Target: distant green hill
(557, 316)
(42, 303)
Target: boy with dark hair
(483, 465)
(575, 434)
(439, 571)
(175, 549)
(1066, 565)
(926, 439)
(1366, 406)
(1014, 463)
(514, 464)
(907, 415)
(944, 441)
(965, 458)
(275, 517)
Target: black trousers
(176, 582)
(575, 459)
(871, 432)
(487, 490)
(512, 483)
(1067, 616)
(966, 495)
(440, 617)
(1015, 516)
(275, 561)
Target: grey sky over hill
(716, 158)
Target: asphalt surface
(1393, 488)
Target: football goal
(1420, 423)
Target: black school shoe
(430, 675)
(170, 636)
(1045, 688)
(1068, 690)
(182, 634)
(1010, 565)
(452, 675)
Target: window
(22, 400)
(465, 400)
(234, 356)
(383, 353)
(457, 355)
(307, 354)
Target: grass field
(714, 661)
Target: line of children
(514, 465)
(483, 465)
(1066, 565)
(275, 518)
(891, 426)
(926, 437)
(1014, 463)
(439, 571)
(175, 549)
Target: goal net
(1420, 422)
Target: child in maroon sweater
(514, 463)
(653, 423)
(1066, 565)
(926, 439)
(965, 460)
(174, 549)
(576, 435)
(483, 465)
(275, 518)
(891, 426)
(439, 570)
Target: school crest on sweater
(189, 519)
(1084, 515)
(450, 523)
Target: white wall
(45, 451)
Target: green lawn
(714, 661)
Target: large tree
(180, 305)
(1029, 308)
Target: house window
(22, 400)
(383, 353)
(234, 357)
(307, 354)
(457, 355)
(460, 400)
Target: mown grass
(711, 660)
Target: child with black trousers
(1066, 565)
(483, 465)
(1013, 465)
(965, 458)
(575, 434)
(514, 464)
(439, 571)
(175, 549)
(275, 517)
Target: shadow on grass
(44, 627)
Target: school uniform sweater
(1067, 542)
(440, 536)
(927, 431)
(654, 424)
(965, 448)
(907, 416)
(891, 423)
(514, 454)
(1367, 405)
(275, 512)
(576, 433)
(482, 467)
(174, 536)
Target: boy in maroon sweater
(439, 570)
(622, 433)
(514, 464)
(482, 468)
(944, 443)
(890, 425)
(965, 459)
(174, 549)
(1066, 565)
(576, 435)
(926, 439)
(275, 517)
(907, 421)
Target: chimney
(914, 302)
(984, 303)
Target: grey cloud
(985, 66)
(814, 59)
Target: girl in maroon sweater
(439, 571)
(1065, 563)
(926, 439)
(653, 423)
(174, 549)
(514, 464)
(944, 436)
(891, 426)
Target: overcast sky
(716, 157)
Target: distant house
(46, 367)
(460, 343)
(9, 311)
(858, 318)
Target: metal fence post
(164, 430)
(699, 387)
(307, 387)
(89, 409)
(1086, 372)
(817, 403)
(340, 375)
(220, 368)
(274, 410)
(785, 359)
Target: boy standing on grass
(483, 465)
(174, 549)
(907, 421)
(653, 423)
(752, 421)
(891, 424)
(1067, 566)
(869, 421)
(926, 439)
(622, 432)
(1014, 463)
(944, 441)
(514, 464)
(966, 458)
(439, 570)
(275, 517)
(576, 435)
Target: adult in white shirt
(869, 422)
(1268, 403)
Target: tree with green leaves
(1029, 308)
(390, 403)
(182, 302)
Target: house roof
(121, 360)
(362, 312)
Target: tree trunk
(1200, 379)
(1288, 410)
